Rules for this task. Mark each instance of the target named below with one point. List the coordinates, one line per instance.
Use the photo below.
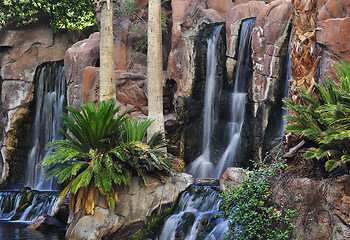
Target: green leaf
(331, 165)
(345, 158)
(82, 180)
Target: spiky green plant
(100, 152)
(325, 120)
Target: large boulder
(82, 62)
(188, 18)
(233, 176)
(270, 38)
(138, 203)
(82, 54)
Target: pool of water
(18, 231)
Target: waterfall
(232, 154)
(286, 86)
(25, 205)
(196, 216)
(49, 104)
(203, 166)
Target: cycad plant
(100, 152)
(325, 119)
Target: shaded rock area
(137, 205)
(323, 206)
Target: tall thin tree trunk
(107, 79)
(154, 66)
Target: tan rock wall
(333, 27)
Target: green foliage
(102, 151)
(251, 212)
(129, 9)
(64, 14)
(325, 120)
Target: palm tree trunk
(107, 79)
(154, 66)
(304, 58)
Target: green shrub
(63, 14)
(325, 120)
(102, 151)
(251, 213)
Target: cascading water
(25, 205)
(197, 213)
(203, 166)
(20, 207)
(49, 99)
(286, 87)
(232, 154)
(196, 216)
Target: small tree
(101, 153)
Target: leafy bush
(64, 13)
(325, 120)
(251, 212)
(101, 151)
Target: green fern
(101, 151)
(325, 120)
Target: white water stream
(203, 166)
(50, 95)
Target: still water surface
(18, 231)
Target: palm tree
(101, 152)
(107, 78)
(154, 65)
(325, 120)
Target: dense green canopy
(69, 14)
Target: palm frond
(325, 120)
